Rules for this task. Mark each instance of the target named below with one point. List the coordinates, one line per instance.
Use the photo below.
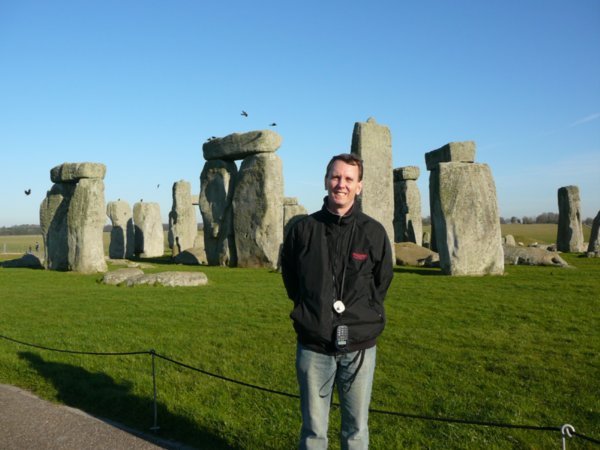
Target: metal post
(566, 430)
(155, 427)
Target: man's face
(342, 186)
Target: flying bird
(27, 191)
(244, 113)
(273, 124)
(157, 186)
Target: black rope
(287, 394)
(231, 380)
(75, 352)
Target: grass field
(521, 349)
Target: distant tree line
(18, 230)
(547, 217)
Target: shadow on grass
(99, 395)
(418, 270)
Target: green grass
(521, 348)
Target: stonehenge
(245, 215)
(408, 222)
(464, 212)
(570, 232)
(72, 218)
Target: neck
(337, 210)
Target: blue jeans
(317, 374)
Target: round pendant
(339, 306)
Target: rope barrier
(566, 430)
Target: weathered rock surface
(70, 172)
(292, 212)
(192, 257)
(237, 146)
(28, 260)
(593, 250)
(411, 254)
(72, 218)
(86, 218)
(465, 219)
(183, 225)
(217, 184)
(570, 232)
(122, 240)
(169, 279)
(121, 275)
(54, 227)
(509, 240)
(258, 211)
(532, 256)
(373, 144)
(149, 236)
(408, 221)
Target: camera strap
(338, 304)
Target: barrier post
(566, 430)
(155, 427)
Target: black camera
(341, 336)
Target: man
(337, 267)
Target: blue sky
(140, 85)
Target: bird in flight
(27, 191)
(244, 113)
(157, 186)
(273, 124)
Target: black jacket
(312, 262)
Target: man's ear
(359, 188)
(325, 182)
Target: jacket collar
(332, 217)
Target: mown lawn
(520, 349)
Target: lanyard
(338, 304)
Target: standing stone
(72, 218)
(570, 232)
(594, 244)
(149, 236)
(217, 184)
(183, 226)
(464, 215)
(122, 241)
(258, 211)
(408, 222)
(54, 227)
(292, 213)
(451, 152)
(373, 144)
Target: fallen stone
(120, 275)
(191, 257)
(237, 146)
(532, 256)
(411, 254)
(169, 279)
(509, 240)
(28, 260)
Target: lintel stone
(451, 152)
(70, 172)
(237, 146)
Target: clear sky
(140, 85)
